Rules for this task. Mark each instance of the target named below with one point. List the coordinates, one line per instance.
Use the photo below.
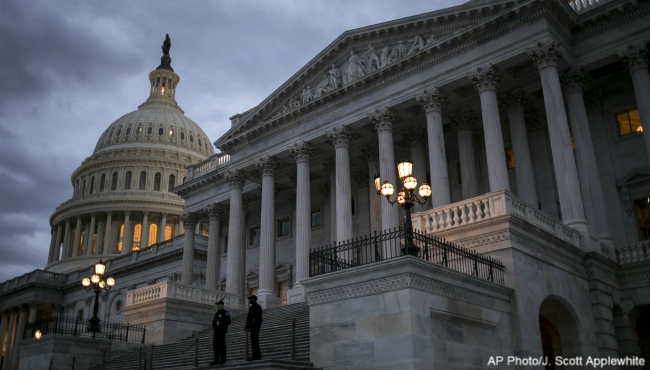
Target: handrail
(83, 328)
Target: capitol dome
(122, 199)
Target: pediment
(363, 55)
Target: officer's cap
(220, 302)
(253, 297)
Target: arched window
(83, 189)
(171, 132)
(142, 184)
(114, 181)
(139, 130)
(102, 180)
(172, 183)
(182, 136)
(161, 131)
(127, 181)
(119, 132)
(110, 136)
(184, 177)
(128, 131)
(169, 232)
(92, 184)
(156, 182)
(153, 234)
(137, 233)
(191, 138)
(120, 235)
(199, 141)
(149, 130)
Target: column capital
(164, 214)
(340, 136)
(236, 178)
(215, 210)
(145, 213)
(463, 119)
(432, 99)
(267, 165)
(33, 303)
(545, 54)
(189, 220)
(383, 118)
(371, 152)
(514, 100)
(635, 56)
(127, 213)
(416, 137)
(109, 213)
(573, 80)
(301, 151)
(485, 78)
(24, 307)
(594, 100)
(330, 166)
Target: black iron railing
(396, 243)
(83, 328)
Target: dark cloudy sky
(68, 69)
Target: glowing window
(510, 158)
(168, 232)
(171, 132)
(114, 181)
(137, 234)
(153, 234)
(142, 184)
(120, 236)
(139, 131)
(94, 242)
(629, 122)
(127, 181)
(172, 183)
(82, 240)
(156, 182)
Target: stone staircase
(275, 345)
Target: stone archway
(559, 330)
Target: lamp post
(96, 283)
(406, 197)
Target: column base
(296, 295)
(268, 300)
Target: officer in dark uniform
(254, 324)
(220, 323)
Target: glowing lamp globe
(425, 190)
(85, 282)
(95, 279)
(38, 334)
(110, 281)
(387, 189)
(101, 284)
(404, 169)
(100, 268)
(410, 182)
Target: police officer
(220, 323)
(254, 324)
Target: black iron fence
(83, 328)
(396, 243)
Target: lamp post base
(93, 325)
(410, 249)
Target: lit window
(284, 227)
(120, 235)
(255, 236)
(153, 234)
(168, 232)
(172, 183)
(156, 182)
(142, 184)
(171, 132)
(642, 208)
(284, 290)
(316, 218)
(510, 158)
(82, 239)
(127, 181)
(629, 122)
(139, 131)
(137, 231)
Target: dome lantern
(163, 79)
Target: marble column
(301, 152)
(371, 154)
(144, 236)
(57, 244)
(11, 338)
(543, 164)
(546, 57)
(463, 120)
(4, 325)
(77, 238)
(212, 273)
(20, 332)
(90, 231)
(66, 240)
(383, 119)
(163, 225)
(526, 190)
(330, 167)
(432, 101)
(266, 293)
(340, 137)
(635, 58)
(50, 256)
(127, 239)
(33, 310)
(189, 222)
(179, 229)
(109, 245)
(485, 81)
(592, 193)
(236, 264)
(416, 138)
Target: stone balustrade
(632, 253)
(581, 6)
(488, 207)
(36, 276)
(200, 243)
(173, 290)
(208, 165)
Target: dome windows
(171, 132)
(114, 182)
(101, 182)
(92, 185)
(142, 184)
(191, 138)
(128, 131)
(110, 136)
(119, 132)
(172, 183)
(127, 180)
(161, 131)
(139, 130)
(182, 135)
(149, 130)
(156, 182)
(199, 142)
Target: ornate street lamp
(96, 283)
(406, 197)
